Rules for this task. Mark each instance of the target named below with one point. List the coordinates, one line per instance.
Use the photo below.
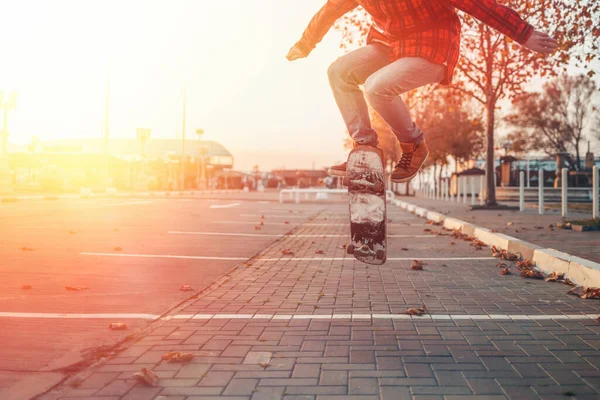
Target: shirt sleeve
(499, 17)
(322, 21)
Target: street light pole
(106, 123)
(143, 134)
(183, 139)
(202, 151)
(10, 103)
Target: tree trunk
(578, 166)
(490, 167)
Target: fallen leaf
(426, 230)
(452, 244)
(287, 222)
(262, 217)
(26, 287)
(577, 291)
(555, 277)
(591, 293)
(416, 311)
(186, 288)
(417, 265)
(257, 228)
(319, 252)
(76, 288)
(505, 271)
(26, 249)
(404, 249)
(525, 264)
(532, 274)
(118, 249)
(178, 357)
(509, 223)
(146, 376)
(118, 326)
(287, 252)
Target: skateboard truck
(377, 186)
(365, 251)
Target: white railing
(294, 193)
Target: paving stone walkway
(319, 325)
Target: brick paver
(488, 354)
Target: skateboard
(365, 177)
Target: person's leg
(383, 90)
(384, 87)
(345, 75)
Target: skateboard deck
(366, 188)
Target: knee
(377, 87)
(335, 71)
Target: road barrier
(294, 193)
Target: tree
(558, 118)
(496, 67)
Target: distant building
(300, 177)
(71, 163)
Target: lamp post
(143, 134)
(202, 150)
(6, 104)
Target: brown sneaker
(413, 158)
(338, 170)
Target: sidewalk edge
(579, 270)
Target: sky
(230, 56)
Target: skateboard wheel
(350, 249)
(380, 254)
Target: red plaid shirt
(418, 28)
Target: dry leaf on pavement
(591, 293)
(76, 288)
(505, 271)
(319, 252)
(186, 288)
(146, 376)
(417, 265)
(176, 356)
(287, 252)
(26, 287)
(532, 274)
(555, 277)
(118, 326)
(416, 311)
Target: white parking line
(273, 216)
(306, 224)
(281, 235)
(131, 203)
(351, 316)
(78, 316)
(225, 205)
(281, 258)
(370, 316)
(166, 256)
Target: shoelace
(405, 160)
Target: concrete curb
(579, 270)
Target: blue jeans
(383, 81)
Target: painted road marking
(225, 205)
(131, 203)
(165, 256)
(351, 316)
(306, 224)
(281, 258)
(78, 316)
(273, 216)
(282, 235)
